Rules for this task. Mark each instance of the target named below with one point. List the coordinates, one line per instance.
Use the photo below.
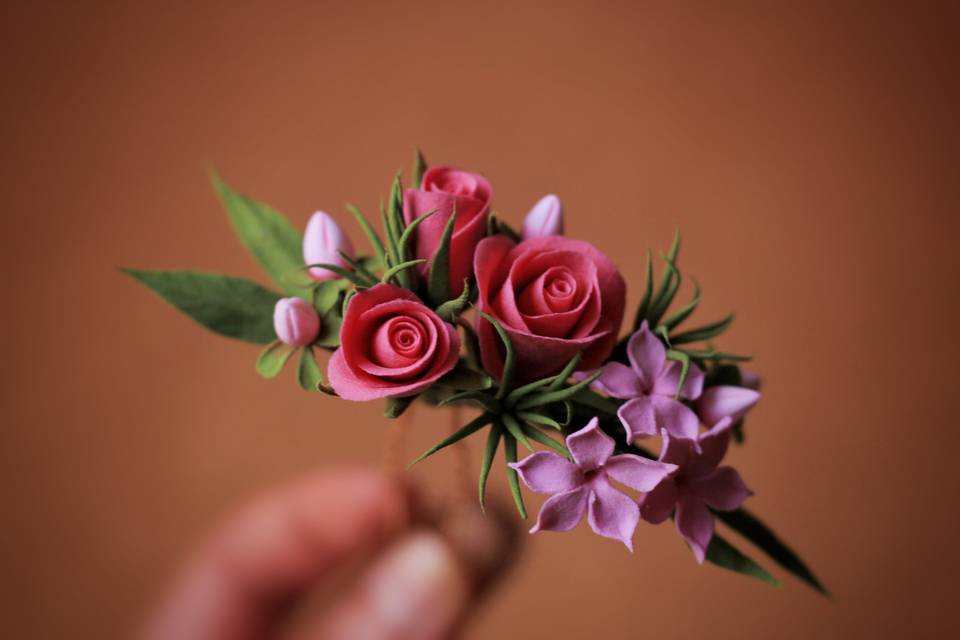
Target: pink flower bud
(545, 219)
(295, 321)
(322, 242)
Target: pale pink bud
(322, 242)
(545, 219)
(725, 401)
(295, 321)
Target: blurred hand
(251, 579)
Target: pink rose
(554, 297)
(442, 188)
(391, 345)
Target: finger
(425, 583)
(282, 543)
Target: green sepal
(485, 400)
(395, 270)
(596, 402)
(509, 358)
(647, 295)
(559, 395)
(326, 295)
(751, 528)
(347, 297)
(404, 243)
(308, 371)
(372, 235)
(464, 378)
(539, 418)
(514, 396)
(274, 243)
(452, 308)
(712, 354)
(489, 451)
(666, 294)
(705, 332)
(564, 375)
(546, 440)
(395, 407)
(684, 312)
(393, 239)
(271, 360)
(513, 478)
(359, 268)
(684, 360)
(723, 554)
(357, 279)
(438, 280)
(419, 168)
(233, 307)
(514, 429)
(474, 425)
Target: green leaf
(275, 244)
(474, 425)
(559, 395)
(546, 440)
(565, 374)
(705, 332)
(723, 554)
(359, 268)
(452, 308)
(509, 359)
(326, 295)
(751, 528)
(438, 281)
(308, 371)
(346, 302)
(647, 295)
(356, 278)
(489, 451)
(712, 354)
(684, 312)
(485, 400)
(271, 360)
(514, 429)
(395, 407)
(371, 234)
(665, 296)
(464, 378)
(514, 396)
(395, 270)
(513, 479)
(596, 402)
(393, 239)
(233, 307)
(419, 168)
(684, 360)
(405, 237)
(539, 418)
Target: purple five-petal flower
(697, 485)
(649, 385)
(583, 486)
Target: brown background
(804, 151)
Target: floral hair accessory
(451, 306)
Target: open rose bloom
(506, 314)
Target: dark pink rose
(391, 345)
(442, 188)
(554, 297)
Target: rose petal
(546, 472)
(647, 355)
(611, 514)
(725, 401)
(637, 473)
(563, 511)
(666, 384)
(695, 524)
(590, 447)
(657, 505)
(723, 489)
(435, 337)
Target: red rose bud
(442, 189)
(391, 345)
(322, 243)
(545, 219)
(555, 297)
(295, 321)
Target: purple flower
(696, 486)
(583, 486)
(649, 385)
(726, 401)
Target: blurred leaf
(702, 333)
(463, 378)
(271, 360)
(419, 168)
(359, 268)
(326, 295)
(308, 371)
(356, 278)
(723, 554)
(395, 407)
(233, 307)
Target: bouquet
(453, 306)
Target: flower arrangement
(453, 306)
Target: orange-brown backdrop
(804, 151)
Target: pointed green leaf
(233, 307)
(705, 332)
(513, 479)
(419, 168)
(751, 528)
(684, 312)
(539, 418)
(271, 360)
(275, 244)
(308, 371)
(372, 236)
(514, 429)
(684, 360)
(723, 554)
(464, 378)
(393, 239)
(359, 268)
(546, 440)
(326, 295)
(394, 271)
(438, 281)
(347, 297)
(509, 359)
(452, 308)
(563, 376)
(357, 279)
(474, 425)
(711, 354)
(407, 235)
(395, 407)
(485, 400)
(647, 295)
(665, 296)
(514, 396)
(489, 451)
(596, 402)
(560, 395)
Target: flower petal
(638, 418)
(617, 380)
(695, 524)
(612, 514)
(713, 447)
(563, 511)
(640, 474)
(723, 489)
(666, 384)
(590, 447)
(657, 506)
(546, 472)
(726, 401)
(677, 418)
(647, 355)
